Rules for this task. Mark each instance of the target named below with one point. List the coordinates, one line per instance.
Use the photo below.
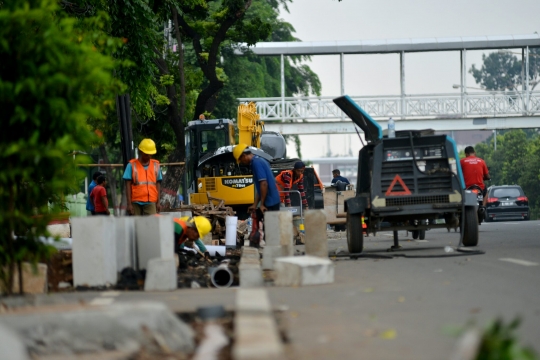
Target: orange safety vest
(281, 184)
(144, 182)
(184, 226)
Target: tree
(260, 76)
(52, 80)
(502, 71)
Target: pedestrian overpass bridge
(486, 110)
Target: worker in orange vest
(189, 230)
(143, 179)
(287, 179)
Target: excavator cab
(204, 137)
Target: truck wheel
(355, 235)
(470, 233)
(415, 234)
(422, 234)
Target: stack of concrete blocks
(249, 268)
(279, 237)
(314, 268)
(94, 251)
(155, 247)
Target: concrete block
(94, 251)
(60, 230)
(278, 230)
(251, 301)
(316, 237)
(270, 253)
(161, 275)
(125, 243)
(173, 214)
(250, 253)
(12, 345)
(155, 238)
(303, 270)
(256, 333)
(70, 332)
(249, 269)
(33, 283)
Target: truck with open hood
(406, 182)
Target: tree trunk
(110, 179)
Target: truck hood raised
(372, 130)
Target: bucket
(230, 231)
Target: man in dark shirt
(337, 177)
(267, 195)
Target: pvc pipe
(212, 249)
(221, 276)
(230, 230)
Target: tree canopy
(502, 70)
(52, 80)
(516, 161)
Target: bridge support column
(402, 83)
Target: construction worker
(336, 174)
(266, 195)
(189, 230)
(143, 179)
(265, 183)
(287, 179)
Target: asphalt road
(406, 307)
(411, 307)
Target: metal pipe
(282, 87)
(402, 83)
(221, 276)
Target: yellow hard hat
(238, 150)
(148, 146)
(203, 225)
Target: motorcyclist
(475, 171)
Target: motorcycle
(480, 198)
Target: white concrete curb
(256, 333)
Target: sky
(425, 73)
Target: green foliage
(52, 80)
(252, 76)
(516, 161)
(499, 342)
(502, 71)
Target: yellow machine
(212, 169)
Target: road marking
(110, 293)
(102, 301)
(421, 241)
(520, 262)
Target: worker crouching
(188, 231)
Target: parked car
(507, 202)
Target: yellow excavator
(211, 168)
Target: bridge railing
(492, 103)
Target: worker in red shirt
(475, 171)
(98, 197)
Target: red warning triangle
(405, 191)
